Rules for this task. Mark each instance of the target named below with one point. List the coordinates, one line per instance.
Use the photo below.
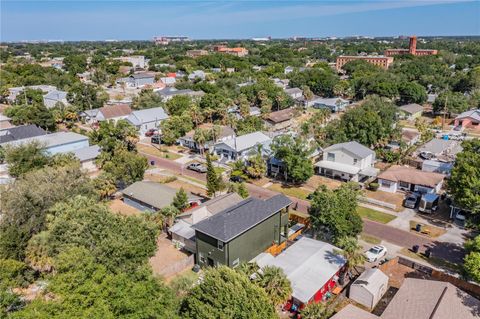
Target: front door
(210, 261)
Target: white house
(241, 147)
(349, 161)
(404, 178)
(147, 119)
(138, 80)
(198, 74)
(294, 93)
(369, 287)
(224, 133)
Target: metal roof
(51, 140)
(239, 218)
(147, 115)
(411, 108)
(309, 264)
(246, 141)
(352, 147)
(87, 153)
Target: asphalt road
(447, 251)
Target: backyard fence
(178, 266)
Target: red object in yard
(287, 306)
(172, 75)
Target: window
(235, 263)
(355, 161)
(386, 183)
(404, 185)
(331, 157)
(220, 245)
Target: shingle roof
(352, 147)
(115, 111)
(474, 114)
(281, 116)
(411, 108)
(142, 75)
(411, 175)
(372, 280)
(239, 218)
(429, 299)
(352, 312)
(20, 132)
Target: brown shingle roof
(352, 312)
(411, 175)
(280, 116)
(115, 111)
(429, 299)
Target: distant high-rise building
(164, 40)
(412, 49)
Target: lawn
(290, 190)
(151, 150)
(370, 239)
(434, 261)
(374, 215)
(427, 230)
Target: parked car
(426, 155)
(237, 179)
(411, 200)
(156, 139)
(151, 132)
(460, 215)
(375, 253)
(197, 167)
(428, 203)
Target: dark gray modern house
(241, 232)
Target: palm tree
(316, 310)
(275, 283)
(200, 137)
(169, 213)
(352, 251)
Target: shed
(369, 288)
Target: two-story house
(241, 147)
(241, 232)
(349, 161)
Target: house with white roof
(349, 161)
(147, 119)
(335, 104)
(312, 266)
(53, 97)
(241, 147)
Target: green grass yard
(374, 215)
(290, 191)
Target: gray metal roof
(87, 153)
(239, 218)
(352, 147)
(51, 140)
(20, 132)
(147, 115)
(154, 194)
(411, 108)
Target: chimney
(412, 49)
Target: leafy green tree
(213, 184)
(242, 190)
(104, 185)
(179, 104)
(24, 208)
(321, 81)
(100, 76)
(450, 102)
(316, 310)
(86, 289)
(180, 201)
(111, 135)
(294, 155)
(464, 182)
(13, 274)
(411, 92)
(147, 99)
(244, 105)
(333, 212)
(275, 283)
(249, 124)
(471, 264)
(117, 242)
(223, 294)
(124, 166)
(86, 96)
(175, 127)
(75, 63)
(25, 158)
(256, 167)
(169, 213)
(35, 113)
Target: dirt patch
(391, 198)
(119, 207)
(316, 180)
(259, 181)
(159, 152)
(188, 187)
(166, 256)
(426, 230)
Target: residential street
(447, 250)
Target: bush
(373, 186)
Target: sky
(234, 19)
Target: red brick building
(240, 52)
(412, 49)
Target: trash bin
(418, 227)
(415, 248)
(152, 163)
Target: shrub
(373, 186)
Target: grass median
(375, 215)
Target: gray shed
(369, 287)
